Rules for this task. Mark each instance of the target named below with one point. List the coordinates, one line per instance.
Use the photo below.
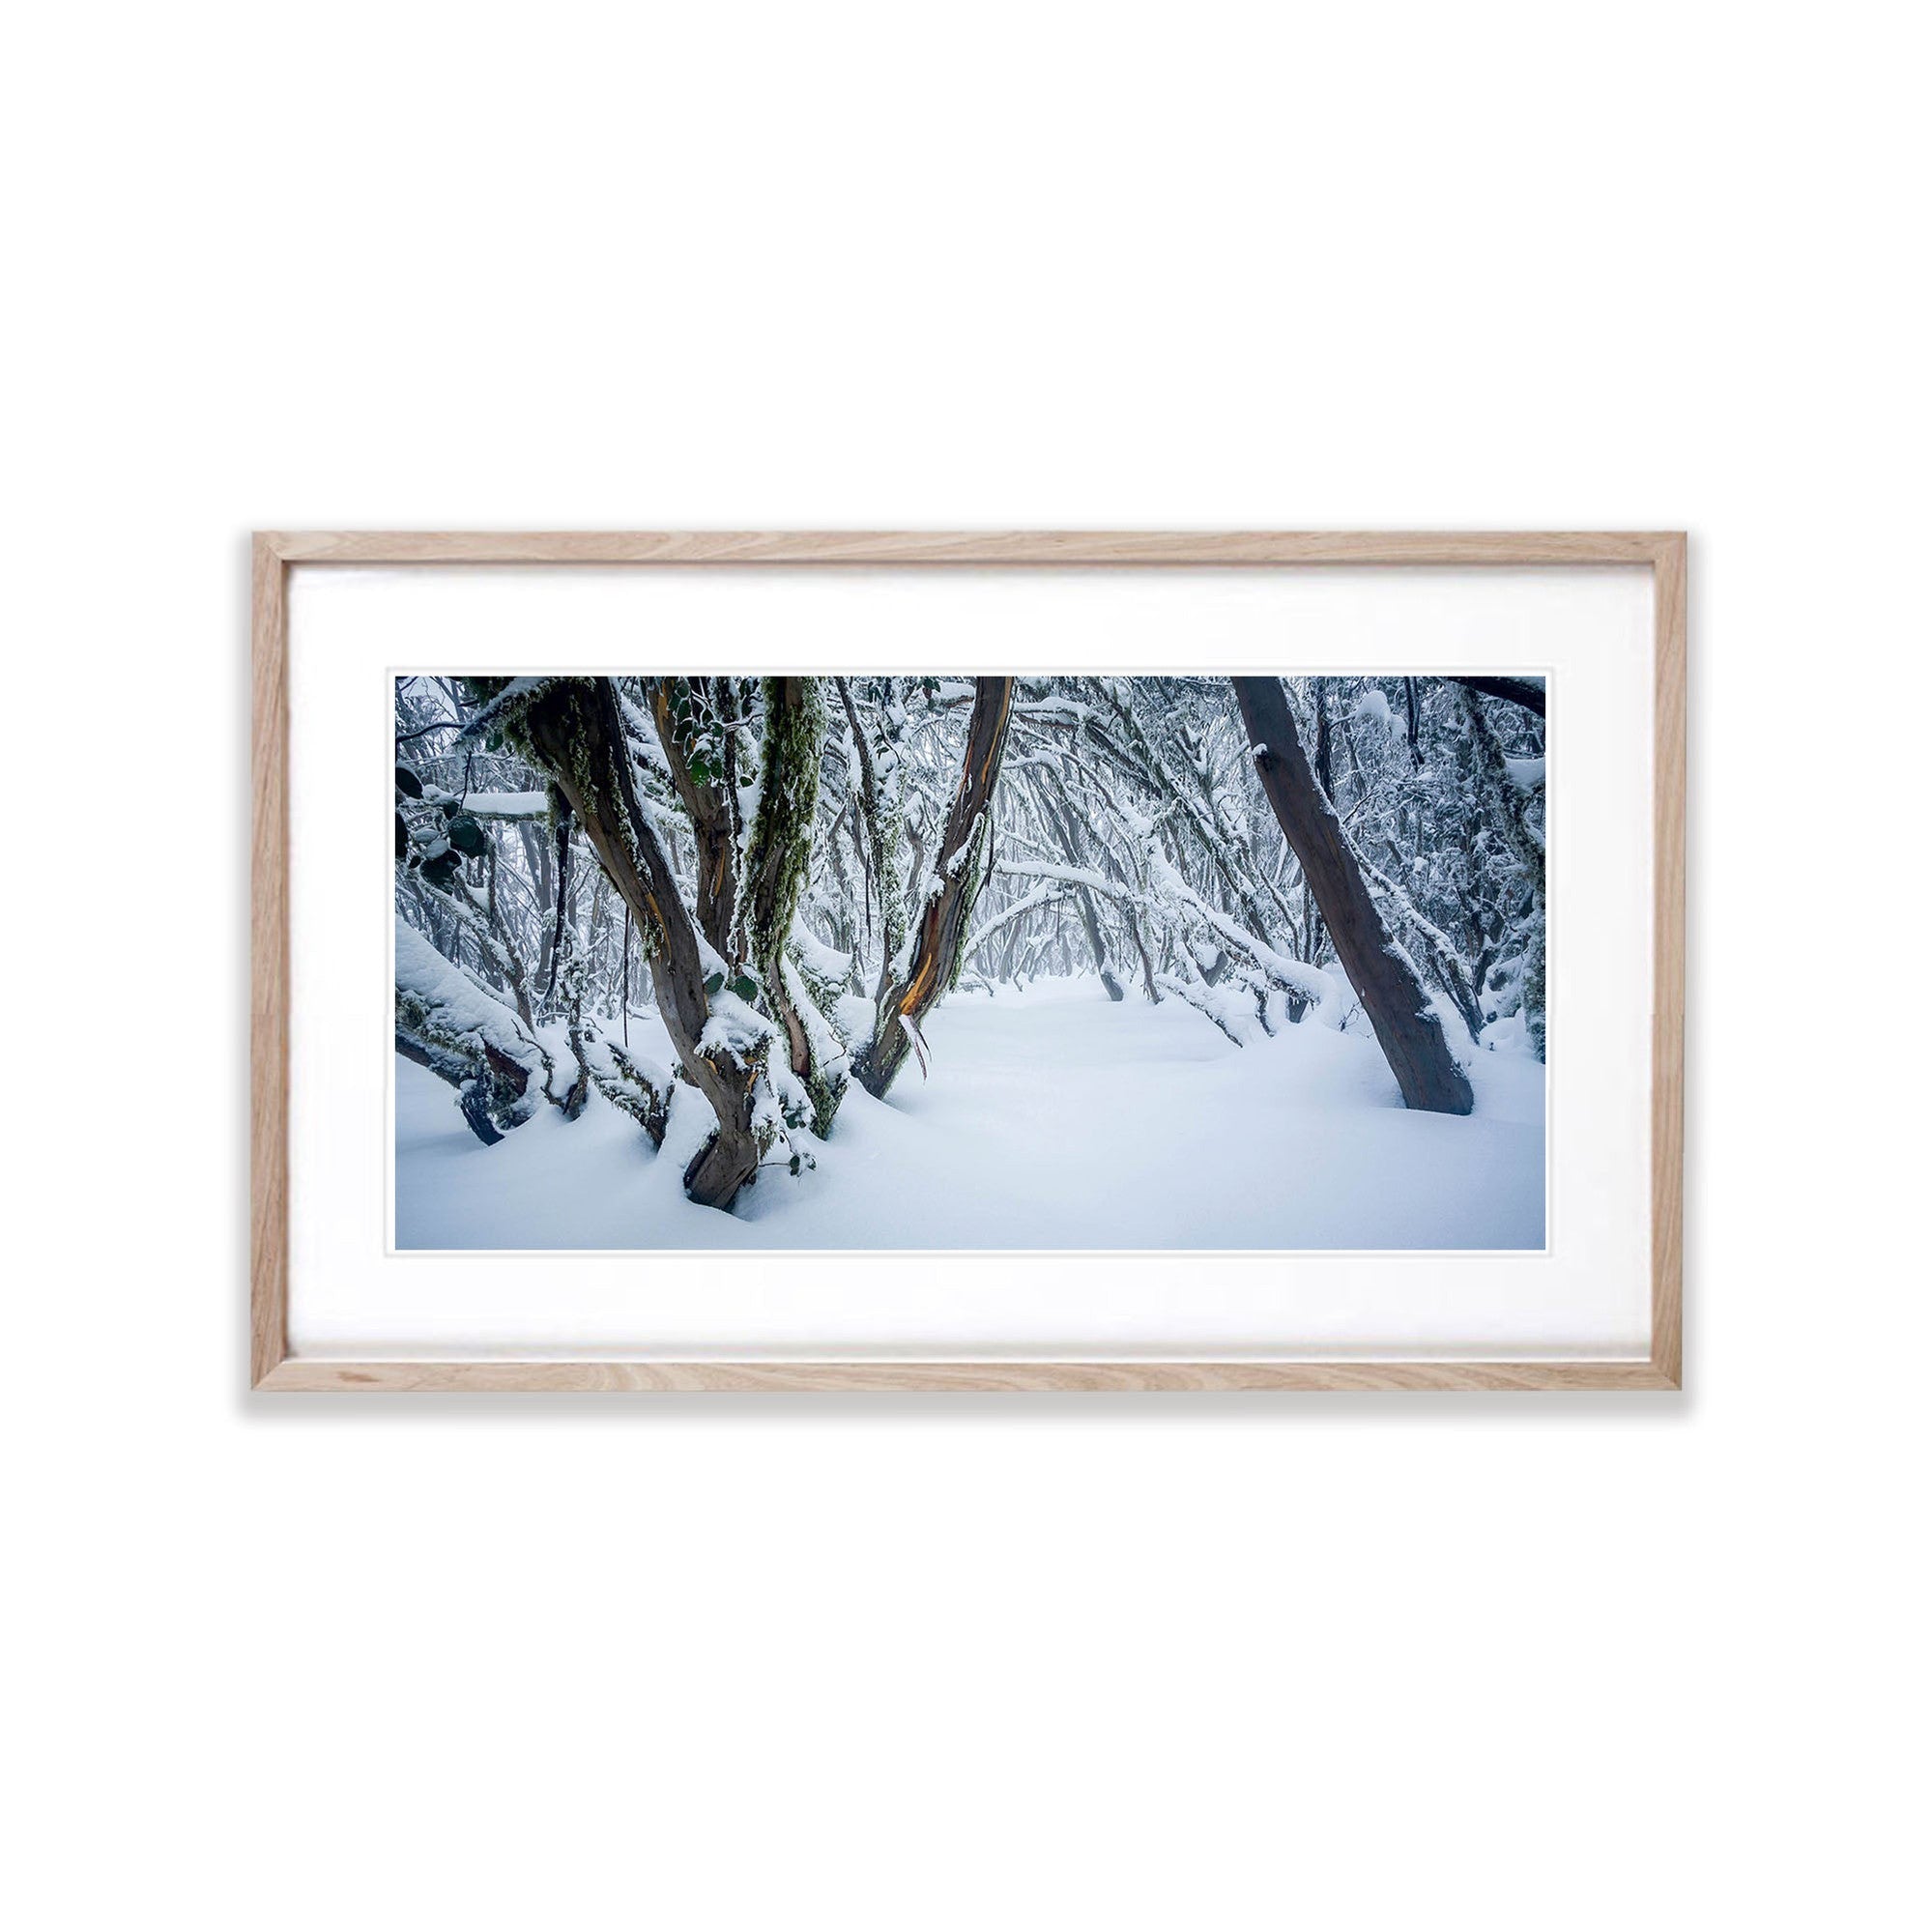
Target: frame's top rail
(986, 547)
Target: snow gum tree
(884, 819)
(573, 729)
(740, 1011)
(696, 720)
(777, 865)
(918, 979)
(449, 1024)
(1410, 1033)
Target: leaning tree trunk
(956, 871)
(1411, 1035)
(574, 731)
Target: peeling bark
(942, 919)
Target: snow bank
(1054, 1118)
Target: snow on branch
(1041, 897)
(508, 704)
(446, 1022)
(507, 805)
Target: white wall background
(1587, 1663)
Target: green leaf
(408, 783)
(713, 982)
(467, 836)
(746, 986)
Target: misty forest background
(989, 961)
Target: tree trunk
(1411, 1034)
(711, 801)
(575, 731)
(1057, 812)
(1090, 920)
(445, 1020)
(882, 865)
(468, 1076)
(1146, 965)
(943, 917)
(778, 857)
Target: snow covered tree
(574, 729)
(943, 897)
(719, 904)
(446, 1022)
(1410, 1033)
(777, 864)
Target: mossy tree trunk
(777, 864)
(573, 729)
(487, 1084)
(448, 1022)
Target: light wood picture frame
(276, 553)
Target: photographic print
(961, 961)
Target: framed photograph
(967, 961)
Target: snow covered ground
(1054, 1118)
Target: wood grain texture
(300, 1373)
(1667, 1317)
(273, 1367)
(269, 969)
(983, 547)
